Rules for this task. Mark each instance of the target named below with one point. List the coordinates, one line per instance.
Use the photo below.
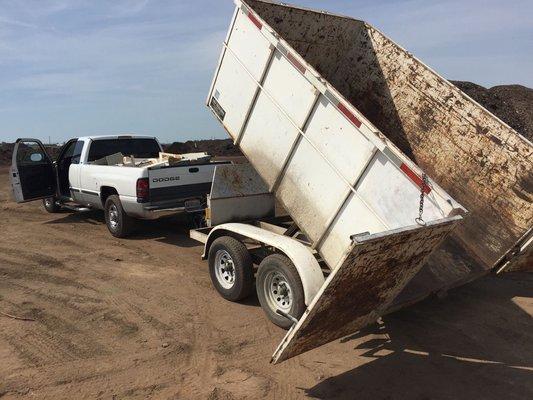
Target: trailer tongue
(283, 91)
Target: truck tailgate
(360, 290)
(175, 183)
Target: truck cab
(123, 175)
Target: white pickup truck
(89, 173)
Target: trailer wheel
(231, 268)
(118, 222)
(279, 287)
(50, 205)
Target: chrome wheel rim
(278, 291)
(224, 269)
(113, 217)
(48, 202)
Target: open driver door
(33, 174)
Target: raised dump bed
(369, 214)
(322, 104)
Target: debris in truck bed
(112, 159)
(164, 160)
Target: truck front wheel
(279, 287)
(118, 222)
(231, 268)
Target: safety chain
(423, 187)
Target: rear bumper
(152, 211)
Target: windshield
(138, 148)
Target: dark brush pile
(6, 150)
(215, 147)
(513, 104)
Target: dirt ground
(138, 318)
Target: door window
(76, 155)
(30, 153)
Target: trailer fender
(301, 256)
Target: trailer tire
(118, 222)
(50, 205)
(231, 268)
(279, 287)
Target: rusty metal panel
(360, 290)
(480, 160)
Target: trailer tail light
(143, 190)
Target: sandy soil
(138, 318)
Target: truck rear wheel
(50, 205)
(231, 268)
(118, 222)
(279, 287)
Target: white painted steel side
(301, 256)
(335, 174)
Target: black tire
(241, 284)
(118, 222)
(50, 205)
(278, 265)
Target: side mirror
(36, 157)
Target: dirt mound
(513, 104)
(6, 150)
(215, 147)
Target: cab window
(138, 148)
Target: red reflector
(296, 63)
(349, 114)
(415, 178)
(255, 20)
(143, 190)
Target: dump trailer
(286, 74)
(362, 219)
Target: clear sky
(79, 67)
